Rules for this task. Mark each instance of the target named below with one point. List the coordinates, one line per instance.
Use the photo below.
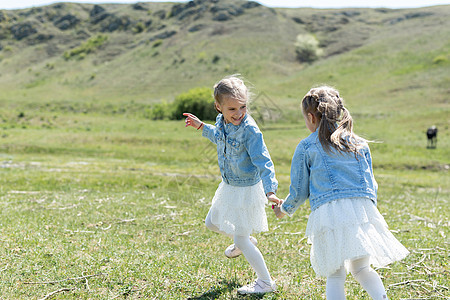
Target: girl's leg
(368, 278)
(335, 285)
(254, 257)
(213, 227)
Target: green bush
(440, 59)
(140, 27)
(307, 48)
(197, 101)
(161, 111)
(157, 43)
(89, 46)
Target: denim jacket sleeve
(299, 188)
(260, 157)
(368, 156)
(209, 132)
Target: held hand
(192, 120)
(273, 198)
(276, 207)
(278, 212)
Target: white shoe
(258, 287)
(232, 251)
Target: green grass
(117, 210)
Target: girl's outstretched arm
(192, 120)
(209, 131)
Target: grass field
(112, 207)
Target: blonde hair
(231, 86)
(335, 122)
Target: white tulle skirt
(238, 210)
(347, 229)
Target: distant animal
(432, 137)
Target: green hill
(156, 50)
(387, 63)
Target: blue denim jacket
(324, 177)
(243, 156)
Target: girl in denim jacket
(333, 168)
(248, 178)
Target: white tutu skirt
(239, 210)
(347, 229)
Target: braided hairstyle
(335, 121)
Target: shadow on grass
(223, 287)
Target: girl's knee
(362, 270)
(358, 265)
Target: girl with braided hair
(333, 168)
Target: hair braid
(335, 121)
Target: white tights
(250, 251)
(363, 273)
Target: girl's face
(233, 110)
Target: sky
(18, 4)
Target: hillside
(162, 48)
(391, 66)
(152, 51)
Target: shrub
(160, 111)
(7, 49)
(215, 59)
(198, 101)
(157, 43)
(89, 46)
(140, 27)
(201, 56)
(307, 48)
(440, 59)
